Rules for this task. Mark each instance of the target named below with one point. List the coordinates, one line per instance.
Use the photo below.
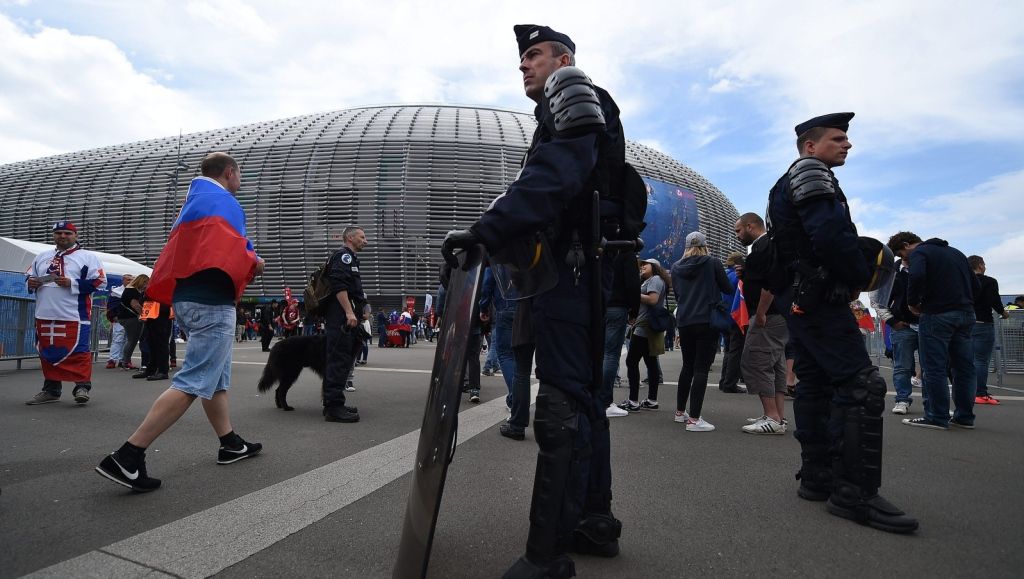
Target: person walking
(698, 281)
(203, 270)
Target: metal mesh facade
(407, 174)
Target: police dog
(287, 359)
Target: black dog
(286, 361)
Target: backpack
(632, 192)
(318, 289)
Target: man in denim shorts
(203, 271)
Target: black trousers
(158, 334)
(731, 373)
(340, 346)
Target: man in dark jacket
(623, 305)
(941, 290)
(578, 148)
(841, 395)
(340, 323)
(903, 324)
(983, 336)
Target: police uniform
(571, 505)
(341, 342)
(840, 396)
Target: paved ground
(327, 500)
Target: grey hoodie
(698, 281)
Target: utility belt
(813, 288)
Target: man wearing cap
(840, 397)
(578, 148)
(64, 279)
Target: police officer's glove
(457, 239)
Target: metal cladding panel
(407, 174)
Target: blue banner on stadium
(671, 216)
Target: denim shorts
(211, 334)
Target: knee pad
(868, 389)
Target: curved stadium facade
(407, 174)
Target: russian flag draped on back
(209, 233)
(739, 308)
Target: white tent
(16, 255)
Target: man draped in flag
(202, 271)
(63, 279)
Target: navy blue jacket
(818, 231)
(698, 281)
(940, 279)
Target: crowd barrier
(18, 334)
(1007, 355)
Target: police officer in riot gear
(840, 397)
(342, 311)
(577, 149)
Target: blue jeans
(946, 341)
(983, 339)
(501, 346)
(614, 335)
(904, 344)
(206, 368)
(117, 340)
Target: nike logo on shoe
(242, 450)
(128, 475)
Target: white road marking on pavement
(202, 544)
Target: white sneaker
(683, 418)
(699, 425)
(614, 410)
(915, 381)
(901, 408)
(784, 422)
(766, 426)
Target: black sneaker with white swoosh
(137, 479)
(227, 455)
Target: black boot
(873, 511)
(597, 534)
(340, 414)
(558, 568)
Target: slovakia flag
(209, 233)
(739, 308)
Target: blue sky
(938, 86)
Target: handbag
(721, 320)
(659, 319)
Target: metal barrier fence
(18, 333)
(1007, 355)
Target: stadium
(407, 174)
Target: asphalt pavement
(327, 499)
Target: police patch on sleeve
(346, 258)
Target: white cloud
(1005, 262)
(64, 92)
(982, 220)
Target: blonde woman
(698, 281)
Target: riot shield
(440, 419)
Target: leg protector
(559, 484)
(858, 459)
(810, 412)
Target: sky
(937, 86)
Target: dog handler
(203, 270)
